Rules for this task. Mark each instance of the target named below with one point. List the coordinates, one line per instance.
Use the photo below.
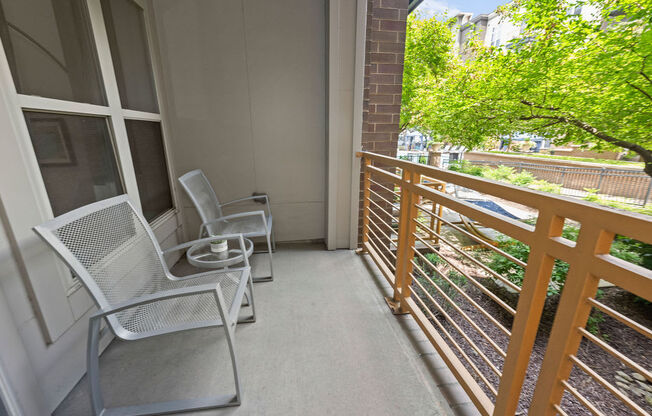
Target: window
(80, 69)
(50, 49)
(76, 157)
(125, 26)
(148, 155)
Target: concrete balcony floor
(325, 343)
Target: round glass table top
(200, 255)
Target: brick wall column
(384, 52)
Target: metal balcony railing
(432, 240)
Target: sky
(452, 7)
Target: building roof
(413, 4)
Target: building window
(125, 27)
(50, 49)
(148, 155)
(76, 157)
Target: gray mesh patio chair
(112, 249)
(214, 222)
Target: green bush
(523, 178)
(545, 186)
(464, 166)
(501, 173)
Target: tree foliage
(428, 45)
(585, 81)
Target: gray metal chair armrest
(269, 211)
(203, 226)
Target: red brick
(380, 118)
(394, 4)
(392, 25)
(389, 89)
(382, 79)
(386, 14)
(377, 136)
(388, 109)
(385, 36)
(388, 58)
(391, 47)
(389, 69)
(386, 127)
(381, 99)
(397, 99)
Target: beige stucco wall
(246, 85)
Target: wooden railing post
(528, 314)
(406, 240)
(573, 312)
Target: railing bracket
(394, 306)
(360, 251)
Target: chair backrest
(110, 247)
(202, 195)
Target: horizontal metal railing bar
(384, 187)
(380, 220)
(450, 337)
(386, 272)
(390, 177)
(484, 405)
(389, 263)
(585, 402)
(477, 284)
(475, 238)
(459, 310)
(472, 259)
(560, 411)
(387, 249)
(391, 241)
(394, 204)
(565, 207)
(382, 209)
(604, 383)
(616, 354)
(620, 317)
(464, 294)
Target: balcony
(470, 342)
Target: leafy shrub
(545, 186)
(464, 166)
(522, 178)
(592, 195)
(501, 173)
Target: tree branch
(541, 107)
(645, 154)
(640, 90)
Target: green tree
(428, 44)
(585, 81)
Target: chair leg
(273, 241)
(93, 364)
(229, 331)
(269, 278)
(250, 302)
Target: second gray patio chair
(214, 222)
(113, 251)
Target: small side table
(200, 255)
